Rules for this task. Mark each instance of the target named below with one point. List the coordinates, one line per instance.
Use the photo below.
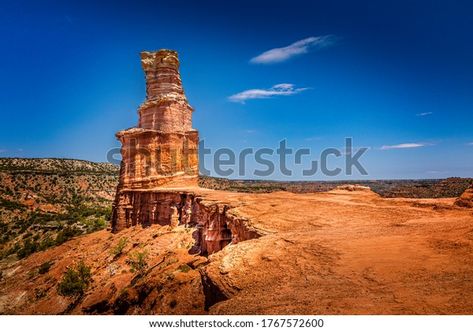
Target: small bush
(75, 281)
(32, 273)
(13, 249)
(39, 293)
(184, 268)
(29, 247)
(11, 205)
(46, 243)
(118, 250)
(138, 262)
(99, 224)
(44, 268)
(65, 234)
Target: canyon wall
(214, 223)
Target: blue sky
(396, 76)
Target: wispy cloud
(279, 89)
(424, 114)
(470, 144)
(303, 46)
(403, 146)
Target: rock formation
(466, 199)
(162, 149)
(159, 168)
(353, 187)
(215, 224)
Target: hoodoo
(159, 168)
(162, 149)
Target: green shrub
(44, 268)
(75, 281)
(11, 205)
(118, 250)
(184, 268)
(39, 293)
(29, 247)
(138, 262)
(99, 224)
(13, 249)
(65, 234)
(46, 243)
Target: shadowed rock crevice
(212, 293)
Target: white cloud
(402, 146)
(299, 47)
(424, 114)
(279, 89)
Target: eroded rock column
(162, 148)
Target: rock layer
(216, 226)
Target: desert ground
(339, 252)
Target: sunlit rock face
(162, 149)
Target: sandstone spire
(162, 149)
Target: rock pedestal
(162, 149)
